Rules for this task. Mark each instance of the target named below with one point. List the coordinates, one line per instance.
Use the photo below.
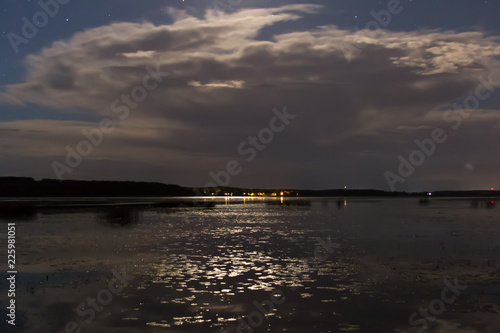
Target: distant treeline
(28, 187)
(465, 194)
(378, 193)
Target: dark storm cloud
(353, 118)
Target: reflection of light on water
(349, 327)
(194, 277)
(202, 269)
(162, 324)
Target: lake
(255, 265)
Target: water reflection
(18, 214)
(424, 201)
(120, 216)
(283, 201)
(341, 203)
(483, 203)
(199, 269)
(473, 203)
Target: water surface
(201, 269)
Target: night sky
(333, 93)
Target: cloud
(414, 128)
(9, 99)
(469, 167)
(224, 81)
(228, 84)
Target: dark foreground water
(324, 265)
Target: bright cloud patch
(223, 82)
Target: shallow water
(209, 269)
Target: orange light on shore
(492, 189)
